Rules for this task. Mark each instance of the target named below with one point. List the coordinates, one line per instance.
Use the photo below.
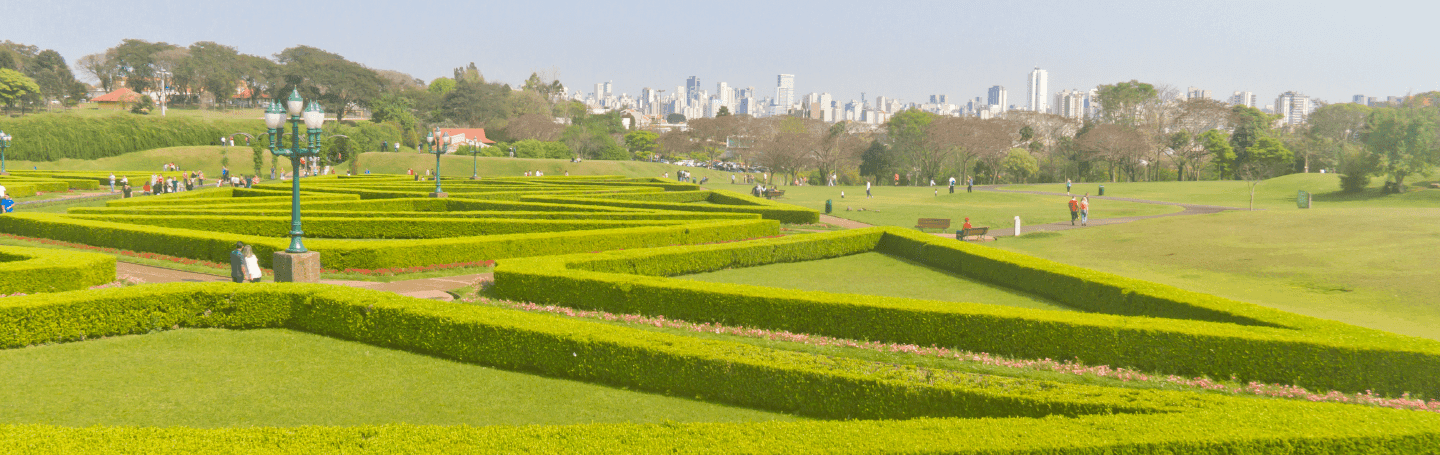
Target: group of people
(7, 205)
(244, 266)
(1079, 209)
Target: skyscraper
(1358, 99)
(1243, 99)
(1193, 93)
(997, 97)
(726, 95)
(1292, 107)
(692, 90)
(1070, 103)
(1039, 90)
(784, 93)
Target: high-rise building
(1292, 107)
(939, 99)
(1092, 103)
(692, 90)
(609, 89)
(1070, 103)
(725, 96)
(1039, 90)
(997, 97)
(784, 93)
(1243, 99)
(1358, 99)
(1193, 93)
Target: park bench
(977, 232)
(933, 223)
(774, 194)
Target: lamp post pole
(474, 160)
(295, 263)
(4, 144)
(440, 142)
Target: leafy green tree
(675, 118)
(641, 143)
(1403, 143)
(136, 63)
(1249, 126)
(876, 161)
(1268, 158)
(335, 81)
(909, 141)
(217, 68)
(1217, 144)
(723, 112)
(441, 85)
(14, 86)
(476, 103)
(1120, 102)
(1334, 125)
(1020, 165)
(392, 107)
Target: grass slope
(876, 274)
(1363, 266)
(901, 206)
(220, 378)
(1276, 193)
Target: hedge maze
(611, 244)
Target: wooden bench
(933, 223)
(774, 194)
(976, 232)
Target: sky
(908, 50)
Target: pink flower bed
(1069, 367)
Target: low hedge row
(725, 202)
(375, 254)
(32, 270)
(180, 199)
(318, 210)
(1025, 415)
(1178, 331)
(388, 227)
(40, 185)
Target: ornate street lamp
(4, 144)
(296, 260)
(474, 159)
(439, 143)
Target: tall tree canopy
(328, 77)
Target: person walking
(112, 182)
(970, 185)
(1085, 209)
(252, 265)
(1067, 187)
(237, 263)
(1074, 210)
(867, 189)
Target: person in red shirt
(966, 225)
(1074, 210)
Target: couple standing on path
(1080, 209)
(244, 266)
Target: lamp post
(474, 159)
(439, 142)
(295, 263)
(4, 144)
(164, 77)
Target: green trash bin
(827, 206)
(1102, 190)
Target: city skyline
(1233, 47)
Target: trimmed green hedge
(32, 270)
(389, 227)
(376, 254)
(182, 198)
(1178, 331)
(48, 137)
(312, 210)
(1026, 416)
(720, 201)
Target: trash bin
(828, 206)
(1102, 190)
(1302, 199)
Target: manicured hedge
(1156, 328)
(52, 137)
(314, 210)
(180, 198)
(390, 227)
(1025, 416)
(32, 270)
(720, 201)
(376, 254)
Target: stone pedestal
(439, 194)
(296, 267)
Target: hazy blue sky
(906, 49)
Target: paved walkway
(426, 288)
(1009, 231)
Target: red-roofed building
(118, 99)
(463, 136)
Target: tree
(641, 143)
(441, 85)
(476, 103)
(1402, 142)
(217, 69)
(391, 107)
(330, 78)
(1195, 118)
(1020, 165)
(1249, 126)
(786, 143)
(1333, 126)
(876, 161)
(135, 61)
(1217, 145)
(1120, 102)
(675, 118)
(99, 67)
(1120, 146)
(14, 86)
(540, 127)
(723, 112)
(840, 148)
(1268, 158)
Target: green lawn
(1372, 267)
(901, 206)
(876, 274)
(220, 378)
(1276, 193)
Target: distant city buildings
(784, 93)
(1195, 93)
(1070, 103)
(1293, 108)
(1038, 90)
(1243, 99)
(996, 100)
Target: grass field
(876, 274)
(1365, 266)
(219, 378)
(1276, 193)
(902, 206)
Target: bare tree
(100, 67)
(970, 139)
(1121, 146)
(785, 144)
(1195, 118)
(539, 127)
(840, 148)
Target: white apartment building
(1292, 107)
(1070, 103)
(1039, 87)
(1243, 99)
(996, 99)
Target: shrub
(32, 270)
(50, 137)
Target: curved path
(1009, 231)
